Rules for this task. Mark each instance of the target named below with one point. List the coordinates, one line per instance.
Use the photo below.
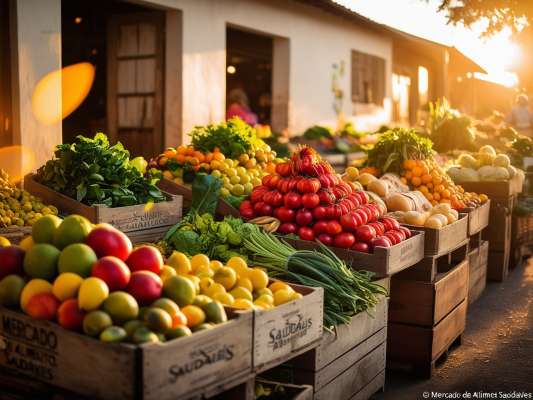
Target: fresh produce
(230, 151)
(313, 202)
(93, 171)
(436, 218)
(346, 292)
(61, 277)
(18, 207)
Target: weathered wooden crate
(383, 262)
(498, 189)
(426, 270)
(204, 364)
(223, 207)
(478, 218)
(441, 241)
(148, 222)
(15, 234)
(417, 349)
(477, 271)
(498, 232)
(425, 303)
(294, 392)
(498, 263)
(288, 330)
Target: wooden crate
(203, 364)
(15, 234)
(498, 232)
(475, 240)
(418, 348)
(498, 264)
(223, 207)
(383, 262)
(441, 241)
(477, 271)
(427, 303)
(478, 218)
(132, 220)
(294, 392)
(288, 330)
(426, 270)
(498, 189)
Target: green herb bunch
(94, 172)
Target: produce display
(312, 201)
(89, 279)
(93, 171)
(18, 207)
(435, 218)
(346, 292)
(486, 165)
(231, 151)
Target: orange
(194, 314)
(424, 169)
(439, 188)
(429, 196)
(199, 155)
(416, 181)
(182, 150)
(417, 171)
(408, 175)
(408, 164)
(430, 185)
(178, 318)
(169, 153)
(445, 194)
(180, 158)
(218, 156)
(162, 161)
(194, 161)
(423, 189)
(436, 196)
(190, 151)
(403, 180)
(426, 178)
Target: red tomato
(400, 233)
(320, 226)
(263, 208)
(333, 227)
(284, 169)
(310, 200)
(363, 197)
(349, 222)
(283, 185)
(361, 247)
(330, 212)
(319, 213)
(306, 233)
(287, 228)
(376, 212)
(390, 223)
(394, 236)
(380, 241)
(266, 180)
(326, 197)
(292, 200)
(293, 182)
(365, 233)
(273, 182)
(285, 214)
(324, 181)
(277, 199)
(406, 231)
(247, 213)
(369, 213)
(326, 239)
(362, 215)
(304, 217)
(354, 198)
(344, 240)
(267, 197)
(378, 226)
(258, 193)
(245, 204)
(309, 185)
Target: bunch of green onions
(346, 292)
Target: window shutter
(368, 78)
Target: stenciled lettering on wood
(143, 220)
(198, 359)
(295, 327)
(29, 349)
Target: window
(368, 78)
(423, 85)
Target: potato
(442, 217)
(433, 222)
(365, 178)
(414, 218)
(379, 187)
(451, 218)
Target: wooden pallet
(477, 271)
(419, 349)
(428, 268)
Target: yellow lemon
(33, 287)
(180, 262)
(259, 278)
(198, 260)
(26, 243)
(243, 304)
(262, 305)
(242, 293)
(239, 265)
(205, 283)
(215, 288)
(215, 265)
(92, 293)
(195, 315)
(265, 298)
(279, 285)
(4, 242)
(261, 292)
(282, 296)
(225, 298)
(196, 282)
(204, 270)
(166, 272)
(66, 286)
(245, 283)
(296, 296)
(226, 276)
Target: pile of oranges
(431, 180)
(238, 176)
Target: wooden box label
(292, 327)
(140, 219)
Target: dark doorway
(249, 67)
(6, 138)
(125, 44)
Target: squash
(365, 178)
(379, 187)
(414, 218)
(433, 222)
(395, 183)
(443, 219)
(451, 218)
(399, 202)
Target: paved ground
(497, 350)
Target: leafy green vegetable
(318, 132)
(205, 193)
(397, 145)
(456, 132)
(186, 241)
(94, 172)
(233, 137)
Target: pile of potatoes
(435, 218)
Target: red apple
(361, 247)
(145, 287)
(11, 260)
(145, 258)
(42, 306)
(113, 271)
(106, 240)
(70, 316)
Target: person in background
(520, 116)
(239, 107)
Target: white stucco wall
(317, 40)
